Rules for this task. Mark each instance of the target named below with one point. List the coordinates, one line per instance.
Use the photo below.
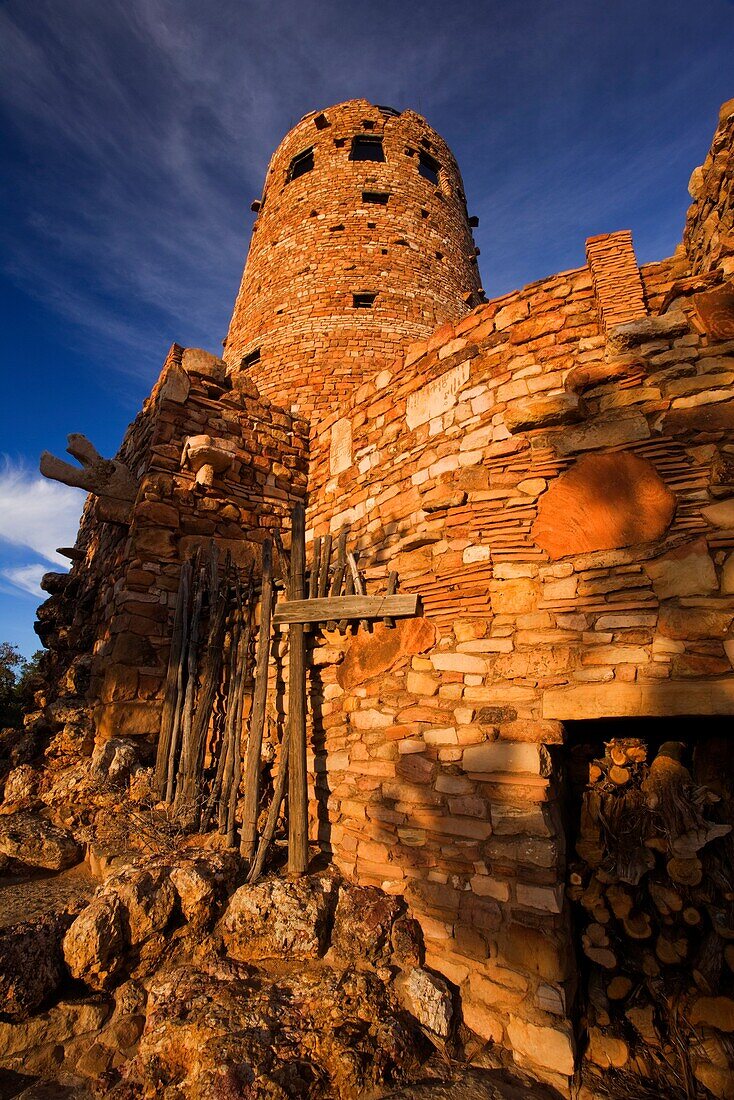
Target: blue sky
(135, 133)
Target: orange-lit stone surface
(318, 241)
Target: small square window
(428, 167)
(379, 197)
(250, 359)
(301, 164)
(363, 301)
(367, 147)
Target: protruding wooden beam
(294, 612)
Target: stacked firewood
(654, 887)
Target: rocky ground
(136, 963)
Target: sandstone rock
(146, 899)
(542, 412)
(633, 333)
(363, 921)
(428, 997)
(369, 655)
(720, 514)
(535, 952)
(115, 760)
(35, 842)
(31, 963)
(481, 1020)
(308, 1033)
(693, 622)
(589, 375)
(506, 756)
(705, 418)
(62, 1022)
(548, 1047)
(22, 788)
(201, 884)
(687, 571)
(604, 502)
(407, 943)
(279, 918)
(199, 361)
(95, 942)
(714, 312)
(600, 433)
(441, 497)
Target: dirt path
(26, 897)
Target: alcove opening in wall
(250, 359)
(380, 198)
(648, 805)
(301, 164)
(429, 168)
(367, 147)
(363, 301)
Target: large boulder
(94, 944)
(146, 898)
(226, 1029)
(31, 964)
(280, 918)
(22, 787)
(39, 1046)
(115, 761)
(34, 842)
(363, 921)
(202, 883)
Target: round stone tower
(362, 244)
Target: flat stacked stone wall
(563, 500)
(709, 232)
(128, 576)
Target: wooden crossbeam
(347, 607)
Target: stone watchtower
(362, 244)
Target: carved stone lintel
(107, 478)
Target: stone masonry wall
(319, 240)
(563, 500)
(131, 572)
(709, 234)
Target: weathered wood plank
(297, 774)
(251, 802)
(347, 607)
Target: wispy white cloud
(36, 515)
(27, 578)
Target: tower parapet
(362, 245)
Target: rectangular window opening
(363, 301)
(367, 147)
(428, 167)
(379, 197)
(250, 359)
(301, 163)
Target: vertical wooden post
(297, 777)
(248, 840)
